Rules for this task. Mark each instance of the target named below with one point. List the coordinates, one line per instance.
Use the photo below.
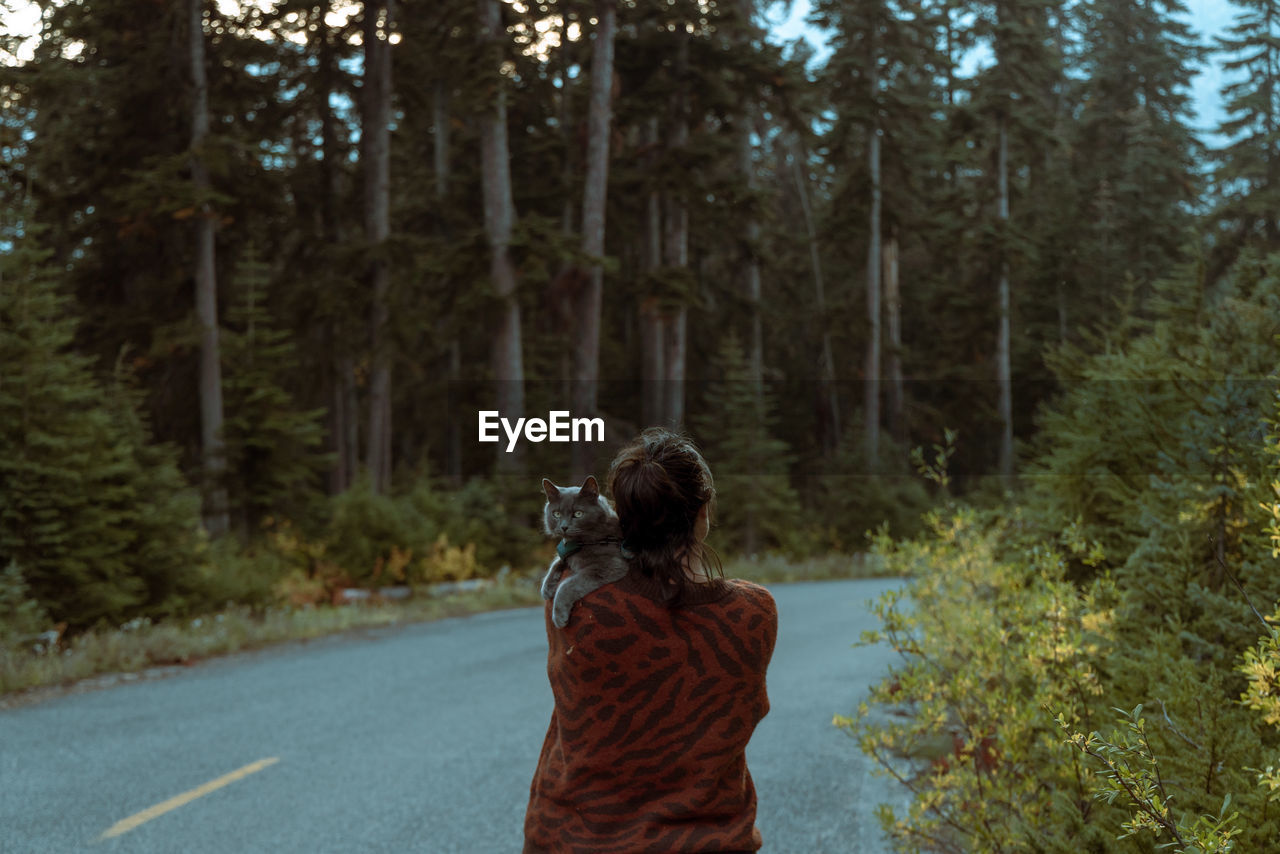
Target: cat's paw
(551, 580)
(560, 614)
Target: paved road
(414, 739)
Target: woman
(659, 681)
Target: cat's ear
(552, 491)
(590, 489)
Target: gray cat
(590, 547)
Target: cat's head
(577, 512)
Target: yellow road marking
(127, 824)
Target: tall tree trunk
(893, 305)
(499, 220)
(586, 349)
(1003, 368)
(440, 138)
(751, 282)
(343, 418)
(653, 361)
(675, 320)
(675, 328)
(829, 402)
(440, 125)
(1269, 153)
(563, 297)
(375, 139)
(351, 406)
(216, 518)
(676, 249)
(751, 226)
(871, 386)
(568, 136)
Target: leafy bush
(364, 527)
(501, 520)
(1086, 648)
(428, 534)
(991, 635)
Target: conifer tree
(100, 525)
(1136, 151)
(1248, 175)
(757, 507)
(273, 446)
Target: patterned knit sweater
(653, 710)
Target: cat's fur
(580, 514)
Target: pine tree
(78, 513)
(273, 446)
(1248, 175)
(1135, 154)
(756, 505)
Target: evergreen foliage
(1136, 161)
(273, 447)
(101, 525)
(21, 617)
(1247, 176)
(756, 505)
(854, 505)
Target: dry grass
(142, 644)
(774, 568)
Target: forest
(966, 291)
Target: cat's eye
(555, 513)
(577, 513)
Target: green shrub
(501, 520)
(21, 617)
(428, 534)
(1108, 611)
(364, 527)
(992, 636)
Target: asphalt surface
(411, 739)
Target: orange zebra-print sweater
(653, 710)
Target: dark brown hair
(659, 482)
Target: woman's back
(654, 706)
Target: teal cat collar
(564, 548)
